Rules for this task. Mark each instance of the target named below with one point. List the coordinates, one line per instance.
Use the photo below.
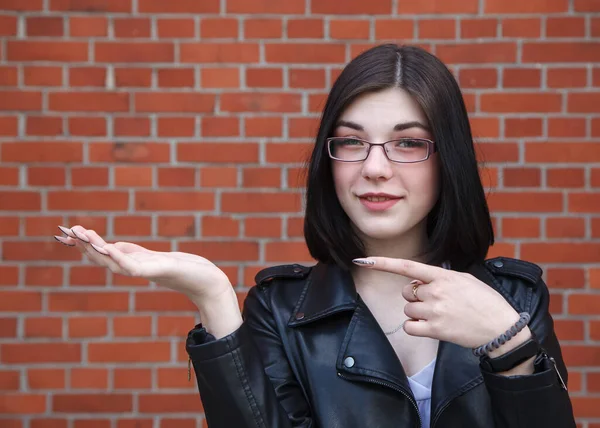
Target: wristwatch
(512, 358)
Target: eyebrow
(397, 127)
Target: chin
(381, 232)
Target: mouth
(378, 201)
(378, 197)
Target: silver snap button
(349, 362)
(300, 315)
(498, 264)
(297, 270)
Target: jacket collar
(330, 290)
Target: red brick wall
(182, 124)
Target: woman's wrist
(220, 315)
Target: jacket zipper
(389, 385)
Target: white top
(420, 383)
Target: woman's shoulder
(529, 272)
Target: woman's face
(408, 191)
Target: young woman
(402, 323)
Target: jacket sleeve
(538, 400)
(245, 379)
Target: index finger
(408, 268)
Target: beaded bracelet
(504, 337)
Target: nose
(377, 165)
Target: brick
(262, 227)
(42, 152)
(20, 201)
(20, 6)
(80, 101)
(218, 177)
(132, 27)
(131, 126)
(264, 77)
(260, 202)
(525, 202)
(560, 252)
(24, 353)
(485, 127)
(46, 176)
(168, 403)
(534, 102)
(176, 126)
(349, 29)
(132, 378)
(288, 152)
(523, 127)
(222, 250)
(9, 126)
(88, 26)
(520, 227)
(8, 25)
(565, 177)
(87, 275)
(478, 28)
(87, 177)
(47, 276)
(565, 278)
(261, 177)
(132, 326)
(303, 127)
(133, 77)
(522, 78)
(566, 77)
(163, 300)
(561, 152)
(9, 225)
(220, 77)
(92, 403)
(176, 78)
(44, 126)
(174, 201)
(180, 6)
(115, 6)
(20, 100)
(478, 78)
(583, 203)
(43, 327)
(532, 6)
(42, 76)
(46, 378)
(176, 28)
(39, 50)
(437, 7)
(477, 53)
(20, 403)
(81, 327)
(119, 52)
(263, 126)
(586, 6)
(286, 252)
(266, 7)
(87, 126)
(8, 326)
(49, 250)
(305, 28)
(260, 102)
(393, 29)
(437, 29)
(521, 27)
(565, 27)
(220, 226)
(44, 26)
(305, 53)
(561, 52)
(133, 176)
(565, 227)
(217, 152)
(177, 177)
(132, 226)
(129, 352)
(219, 52)
(220, 126)
(89, 378)
(89, 301)
(566, 127)
(87, 200)
(218, 28)
(307, 78)
(172, 102)
(583, 102)
(264, 28)
(9, 380)
(583, 304)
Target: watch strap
(512, 358)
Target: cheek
(343, 177)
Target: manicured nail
(80, 237)
(99, 249)
(414, 282)
(66, 231)
(63, 241)
(363, 262)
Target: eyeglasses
(402, 150)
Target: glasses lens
(348, 149)
(407, 150)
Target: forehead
(384, 109)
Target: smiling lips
(378, 201)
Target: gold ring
(415, 287)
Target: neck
(409, 247)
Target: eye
(349, 141)
(410, 144)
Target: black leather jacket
(284, 367)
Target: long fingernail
(99, 249)
(363, 262)
(66, 231)
(414, 282)
(81, 237)
(60, 239)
